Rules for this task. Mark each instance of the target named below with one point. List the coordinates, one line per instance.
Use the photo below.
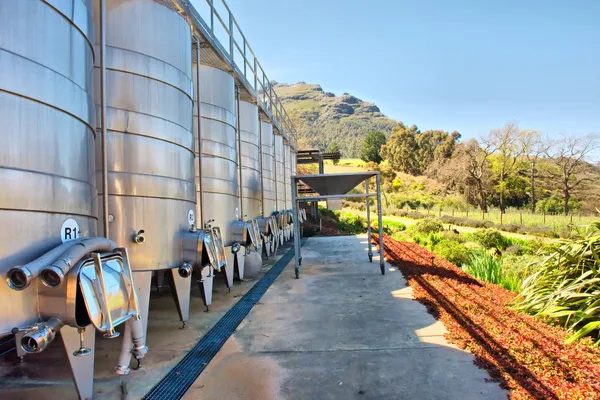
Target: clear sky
(465, 65)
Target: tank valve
(185, 271)
(82, 351)
(40, 335)
(235, 247)
(208, 223)
(139, 238)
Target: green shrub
(566, 286)
(514, 249)
(428, 225)
(543, 231)
(351, 223)
(451, 235)
(484, 267)
(390, 227)
(513, 228)
(490, 239)
(456, 253)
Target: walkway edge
(176, 383)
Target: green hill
(322, 117)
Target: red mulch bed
(527, 356)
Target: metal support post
(295, 208)
(369, 221)
(379, 220)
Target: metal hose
(19, 278)
(54, 274)
(134, 343)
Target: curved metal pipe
(54, 275)
(134, 343)
(19, 278)
(41, 335)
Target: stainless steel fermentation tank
(218, 186)
(48, 202)
(268, 222)
(149, 140)
(280, 177)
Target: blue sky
(466, 65)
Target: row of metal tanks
(111, 171)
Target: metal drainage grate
(182, 376)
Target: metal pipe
(260, 157)
(239, 151)
(134, 343)
(379, 220)
(103, 117)
(38, 338)
(54, 274)
(369, 219)
(20, 278)
(297, 250)
(199, 143)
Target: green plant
(428, 225)
(485, 267)
(490, 239)
(456, 253)
(351, 223)
(566, 286)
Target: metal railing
(215, 21)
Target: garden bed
(525, 355)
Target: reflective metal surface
(149, 121)
(268, 168)
(288, 174)
(280, 171)
(109, 282)
(219, 155)
(46, 139)
(250, 152)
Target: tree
(411, 151)
(371, 148)
(401, 149)
(505, 142)
(533, 147)
(470, 165)
(333, 148)
(569, 158)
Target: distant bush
(351, 223)
(543, 231)
(513, 228)
(456, 253)
(490, 239)
(514, 249)
(428, 225)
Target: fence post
(544, 217)
(440, 214)
(521, 218)
(482, 214)
(453, 212)
(501, 216)
(467, 213)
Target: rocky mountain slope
(322, 117)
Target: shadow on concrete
(505, 362)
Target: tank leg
(239, 263)
(229, 268)
(206, 285)
(160, 279)
(143, 281)
(82, 367)
(181, 290)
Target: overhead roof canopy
(335, 184)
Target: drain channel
(182, 376)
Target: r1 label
(69, 230)
(191, 217)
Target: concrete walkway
(342, 331)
